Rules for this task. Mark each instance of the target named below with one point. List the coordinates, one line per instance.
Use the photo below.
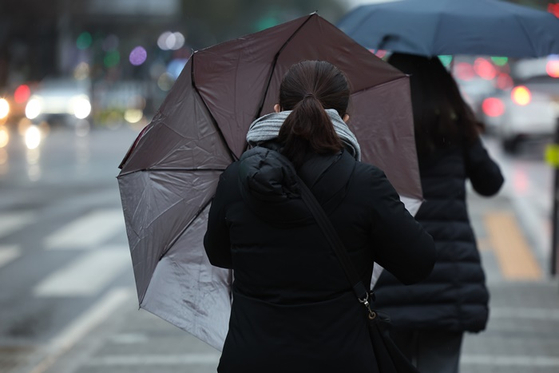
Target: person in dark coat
(293, 308)
(430, 318)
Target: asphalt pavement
(96, 325)
(522, 335)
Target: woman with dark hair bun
(293, 308)
(430, 318)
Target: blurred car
(527, 111)
(61, 100)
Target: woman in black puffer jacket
(429, 318)
(293, 309)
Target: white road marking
(11, 222)
(88, 231)
(524, 313)
(8, 253)
(129, 338)
(80, 327)
(85, 276)
(510, 360)
(127, 360)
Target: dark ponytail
(308, 88)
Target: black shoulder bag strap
(333, 238)
(389, 358)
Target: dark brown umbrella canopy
(169, 176)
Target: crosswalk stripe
(8, 253)
(79, 328)
(85, 276)
(13, 221)
(88, 231)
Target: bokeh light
(138, 56)
(81, 72)
(464, 71)
(493, 107)
(500, 61)
(4, 108)
(32, 137)
(521, 95)
(170, 41)
(485, 69)
(4, 136)
(165, 82)
(445, 60)
(176, 66)
(504, 81)
(110, 43)
(22, 94)
(133, 115)
(84, 40)
(111, 59)
(265, 22)
(552, 67)
(33, 108)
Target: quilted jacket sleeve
(483, 172)
(403, 247)
(216, 240)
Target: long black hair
(308, 88)
(441, 116)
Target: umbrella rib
(525, 32)
(263, 99)
(380, 85)
(183, 169)
(172, 243)
(231, 153)
(172, 170)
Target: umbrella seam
(214, 121)
(179, 235)
(405, 76)
(170, 169)
(276, 57)
(436, 32)
(534, 51)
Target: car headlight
(81, 107)
(4, 108)
(33, 108)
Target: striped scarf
(267, 128)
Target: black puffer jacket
(454, 297)
(293, 308)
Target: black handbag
(389, 358)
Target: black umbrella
(454, 27)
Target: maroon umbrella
(170, 174)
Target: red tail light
(493, 107)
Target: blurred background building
(128, 52)
(115, 60)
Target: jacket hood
(268, 175)
(269, 186)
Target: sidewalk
(522, 335)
